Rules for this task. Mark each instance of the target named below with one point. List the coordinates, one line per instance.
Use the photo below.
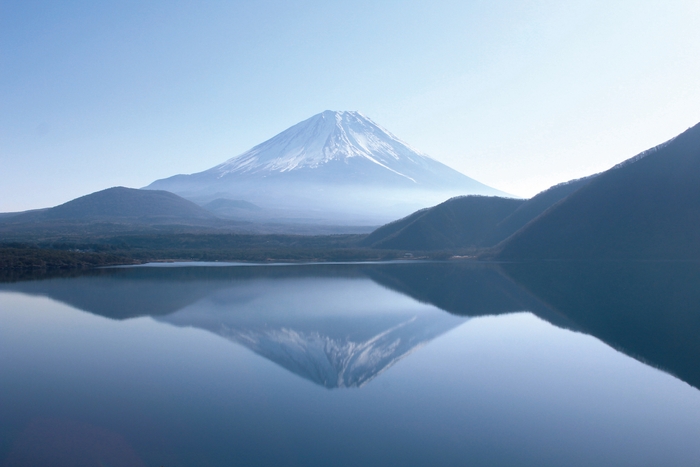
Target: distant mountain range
(336, 172)
(339, 167)
(113, 210)
(120, 209)
(647, 207)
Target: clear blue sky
(519, 95)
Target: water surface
(394, 364)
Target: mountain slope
(467, 222)
(119, 204)
(338, 165)
(457, 223)
(645, 208)
(532, 208)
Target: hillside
(645, 208)
(457, 223)
(532, 208)
(119, 204)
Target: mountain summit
(343, 145)
(338, 166)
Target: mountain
(120, 204)
(647, 207)
(338, 166)
(468, 221)
(457, 223)
(113, 211)
(532, 208)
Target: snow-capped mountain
(325, 138)
(334, 166)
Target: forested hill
(645, 208)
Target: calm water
(357, 365)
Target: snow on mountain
(328, 136)
(334, 165)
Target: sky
(519, 95)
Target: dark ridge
(533, 207)
(461, 222)
(645, 208)
(390, 229)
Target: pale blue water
(318, 366)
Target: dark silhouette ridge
(461, 222)
(645, 208)
(532, 208)
(127, 211)
(468, 221)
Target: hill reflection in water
(336, 332)
(326, 323)
(648, 310)
(342, 325)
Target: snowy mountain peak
(339, 168)
(326, 137)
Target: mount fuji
(337, 167)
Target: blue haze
(516, 95)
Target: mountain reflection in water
(326, 323)
(458, 364)
(336, 332)
(648, 310)
(332, 325)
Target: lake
(397, 364)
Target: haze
(519, 97)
